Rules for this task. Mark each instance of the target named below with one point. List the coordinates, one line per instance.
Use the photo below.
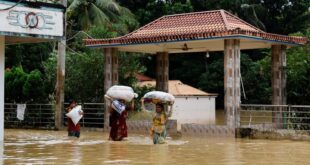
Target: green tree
(281, 16)
(298, 73)
(83, 14)
(14, 82)
(27, 56)
(24, 87)
(154, 9)
(187, 67)
(33, 87)
(212, 79)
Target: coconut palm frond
(98, 16)
(73, 7)
(109, 5)
(84, 20)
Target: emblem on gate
(26, 19)
(32, 20)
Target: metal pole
(60, 75)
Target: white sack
(121, 92)
(163, 96)
(75, 115)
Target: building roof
(177, 88)
(141, 77)
(194, 26)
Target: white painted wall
(1, 89)
(194, 109)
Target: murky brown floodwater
(49, 147)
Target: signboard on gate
(21, 20)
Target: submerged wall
(194, 109)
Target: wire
(8, 8)
(79, 33)
(70, 49)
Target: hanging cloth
(20, 111)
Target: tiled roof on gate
(197, 25)
(192, 23)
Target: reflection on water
(49, 147)
(220, 117)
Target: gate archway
(216, 30)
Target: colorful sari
(118, 125)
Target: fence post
(83, 115)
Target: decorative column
(162, 71)
(2, 60)
(232, 82)
(110, 77)
(278, 82)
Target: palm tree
(87, 13)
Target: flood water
(54, 147)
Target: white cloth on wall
(20, 111)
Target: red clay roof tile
(191, 26)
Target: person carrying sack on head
(158, 130)
(118, 115)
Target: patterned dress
(118, 125)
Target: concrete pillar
(162, 71)
(114, 66)
(232, 82)
(110, 77)
(278, 82)
(2, 60)
(107, 82)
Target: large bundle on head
(158, 97)
(121, 92)
(150, 99)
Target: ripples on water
(54, 147)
